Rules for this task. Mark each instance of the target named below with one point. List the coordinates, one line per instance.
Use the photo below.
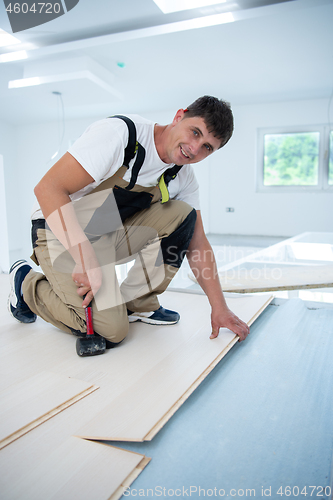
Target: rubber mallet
(91, 344)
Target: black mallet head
(90, 345)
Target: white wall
(36, 145)
(11, 218)
(232, 182)
(4, 247)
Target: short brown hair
(217, 115)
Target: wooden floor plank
(264, 278)
(29, 403)
(138, 413)
(76, 468)
(130, 478)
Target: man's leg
(53, 295)
(160, 237)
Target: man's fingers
(243, 331)
(238, 327)
(88, 298)
(214, 333)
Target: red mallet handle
(90, 330)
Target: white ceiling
(282, 51)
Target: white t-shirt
(100, 151)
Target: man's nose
(195, 147)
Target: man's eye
(207, 147)
(195, 132)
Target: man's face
(190, 141)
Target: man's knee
(175, 246)
(111, 324)
(176, 211)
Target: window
(295, 160)
(291, 159)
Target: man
(99, 212)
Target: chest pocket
(111, 204)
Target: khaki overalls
(157, 238)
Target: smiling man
(124, 190)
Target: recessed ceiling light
(168, 6)
(71, 69)
(24, 82)
(13, 56)
(7, 39)
(190, 24)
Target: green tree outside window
(292, 159)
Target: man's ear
(178, 116)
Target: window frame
(323, 159)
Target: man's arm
(202, 261)
(67, 176)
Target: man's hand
(202, 262)
(227, 319)
(88, 282)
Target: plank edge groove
(130, 478)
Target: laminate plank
(76, 468)
(139, 412)
(130, 478)
(27, 404)
(279, 277)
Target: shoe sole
(135, 319)
(9, 307)
(12, 315)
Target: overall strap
(133, 148)
(165, 178)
